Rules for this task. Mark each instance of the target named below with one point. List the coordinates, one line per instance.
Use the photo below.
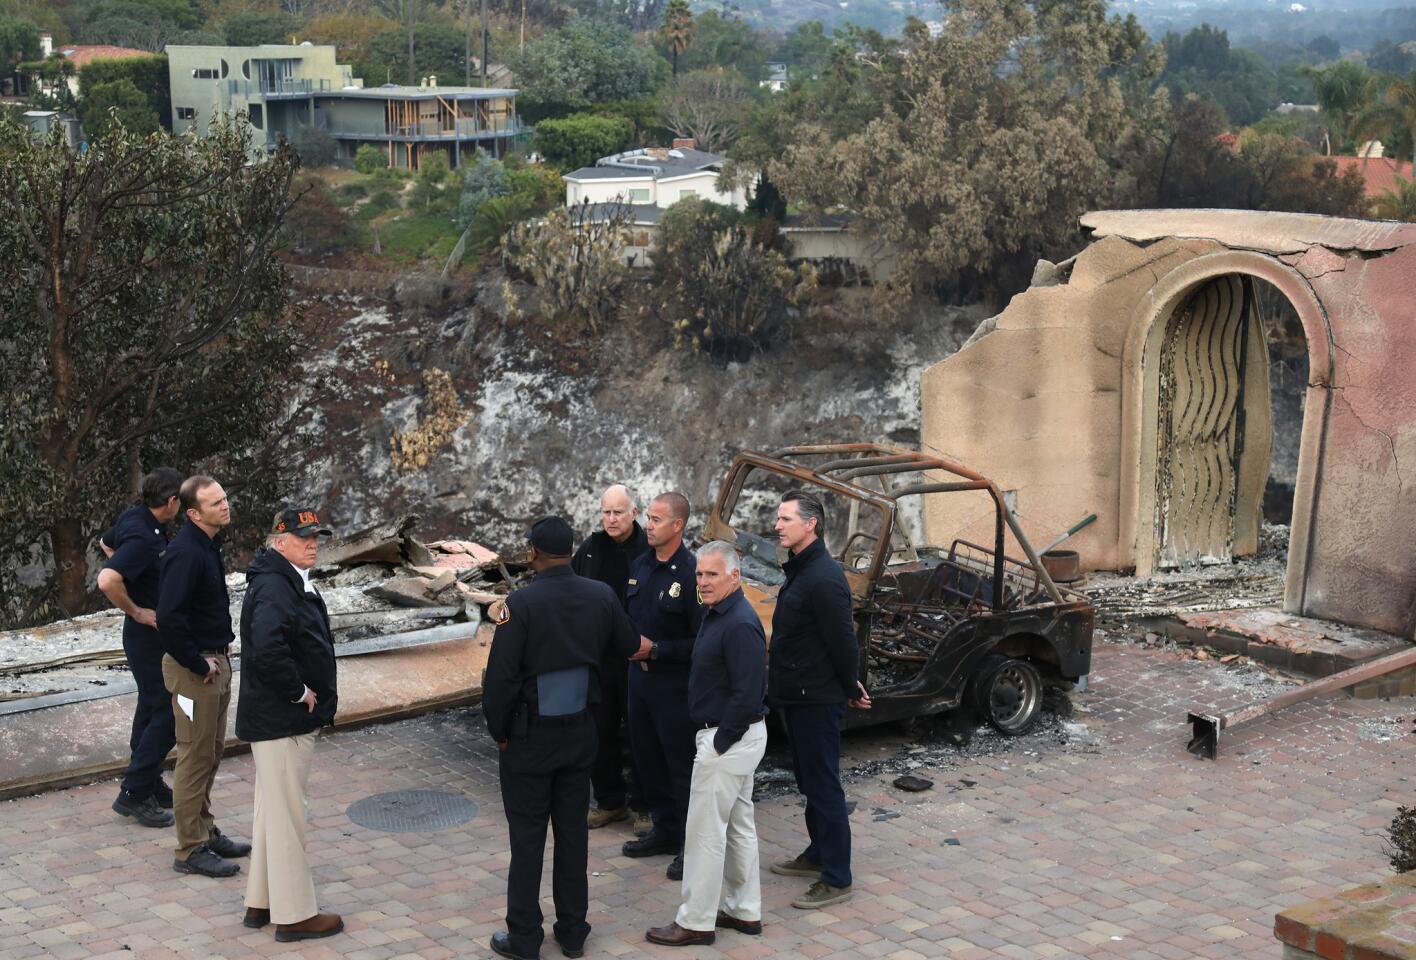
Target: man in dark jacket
(606, 555)
(553, 636)
(721, 882)
(287, 694)
(134, 547)
(811, 677)
(194, 625)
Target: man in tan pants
(288, 693)
(194, 617)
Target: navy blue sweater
(193, 609)
(814, 650)
(727, 684)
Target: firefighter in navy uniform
(542, 681)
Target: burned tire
(1008, 693)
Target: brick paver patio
(1098, 836)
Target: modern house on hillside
(282, 88)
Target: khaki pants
(720, 863)
(199, 744)
(280, 874)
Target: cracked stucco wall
(1040, 403)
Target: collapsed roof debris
(380, 582)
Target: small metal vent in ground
(412, 811)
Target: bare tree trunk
(70, 564)
(486, 43)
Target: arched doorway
(1198, 414)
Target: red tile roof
(1380, 173)
(83, 54)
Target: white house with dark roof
(653, 176)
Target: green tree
(1202, 62)
(121, 103)
(579, 140)
(676, 32)
(1393, 115)
(807, 48)
(482, 179)
(583, 63)
(430, 183)
(726, 42)
(997, 134)
(439, 50)
(147, 321)
(1344, 91)
(19, 42)
(148, 74)
(253, 28)
(370, 159)
(316, 224)
(313, 145)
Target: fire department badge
(500, 611)
(675, 589)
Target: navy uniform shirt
(138, 542)
(194, 611)
(727, 687)
(558, 623)
(662, 599)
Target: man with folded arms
(726, 694)
(194, 624)
(287, 695)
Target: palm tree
(1394, 109)
(1344, 90)
(677, 29)
(1398, 203)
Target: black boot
(162, 793)
(224, 846)
(145, 811)
(208, 864)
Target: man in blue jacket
(194, 624)
(287, 694)
(134, 546)
(721, 882)
(811, 678)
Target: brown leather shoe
(752, 928)
(256, 917)
(312, 928)
(676, 936)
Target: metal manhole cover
(412, 811)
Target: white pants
(280, 874)
(720, 866)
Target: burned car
(939, 626)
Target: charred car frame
(939, 627)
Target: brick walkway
(1098, 836)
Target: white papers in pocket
(186, 704)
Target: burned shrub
(1402, 846)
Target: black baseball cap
(302, 523)
(552, 536)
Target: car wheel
(1008, 693)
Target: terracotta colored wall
(1046, 403)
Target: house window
(257, 116)
(225, 69)
(639, 195)
(186, 113)
(204, 73)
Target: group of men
(177, 636)
(634, 626)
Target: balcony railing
(278, 88)
(468, 127)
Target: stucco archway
(1138, 533)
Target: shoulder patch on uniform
(500, 611)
